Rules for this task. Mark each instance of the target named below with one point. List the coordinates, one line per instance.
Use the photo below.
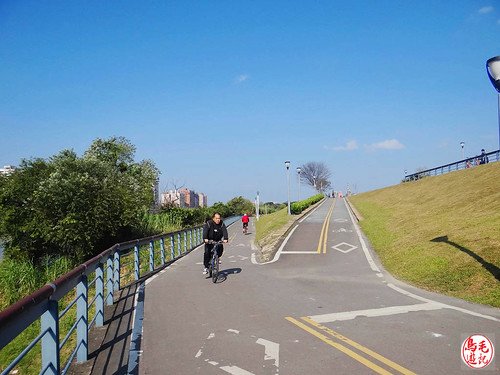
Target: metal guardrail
(461, 164)
(106, 272)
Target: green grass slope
(441, 233)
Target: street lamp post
(298, 174)
(462, 144)
(493, 69)
(287, 165)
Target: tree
(75, 206)
(240, 205)
(317, 175)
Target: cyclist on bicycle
(245, 220)
(214, 230)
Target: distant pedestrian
(468, 164)
(483, 158)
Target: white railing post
(162, 250)
(151, 256)
(109, 281)
(99, 292)
(136, 263)
(172, 248)
(179, 243)
(50, 341)
(116, 268)
(82, 326)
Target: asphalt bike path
(324, 305)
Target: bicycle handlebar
(212, 242)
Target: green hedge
(297, 207)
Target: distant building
(156, 193)
(172, 197)
(183, 198)
(202, 200)
(7, 169)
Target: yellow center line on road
(360, 347)
(340, 347)
(324, 229)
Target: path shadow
(223, 274)
(109, 345)
(491, 268)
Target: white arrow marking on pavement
(271, 350)
(384, 311)
(235, 370)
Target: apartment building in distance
(183, 198)
(7, 169)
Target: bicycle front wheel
(215, 267)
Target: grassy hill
(440, 233)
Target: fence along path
(107, 279)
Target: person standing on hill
(483, 159)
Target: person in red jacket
(245, 220)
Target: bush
(297, 207)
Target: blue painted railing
(101, 277)
(461, 164)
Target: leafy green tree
(240, 205)
(75, 206)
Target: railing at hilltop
(101, 276)
(461, 164)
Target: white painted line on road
(314, 252)
(384, 311)
(198, 355)
(234, 331)
(235, 370)
(369, 258)
(271, 351)
(380, 275)
(278, 253)
(465, 311)
(348, 246)
(211, 336)
(310, 213)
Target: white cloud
(350, 146)
(486, 10)
(389, 144)
(241, 78)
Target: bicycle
(245, 228)
(213, 269)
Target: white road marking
(211, 336)
(234, 331)
(340, 220)
(369, 258)
(384, 311)
(300, 252)
(345, 244)
(235, 370)
(280, 250)
(271, 350)
(309, 214)
(465, 311)
(198, 355)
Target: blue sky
(220, 93)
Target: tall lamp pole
(298, 174)
(462, 144)
(493, 69)
(287, 165)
